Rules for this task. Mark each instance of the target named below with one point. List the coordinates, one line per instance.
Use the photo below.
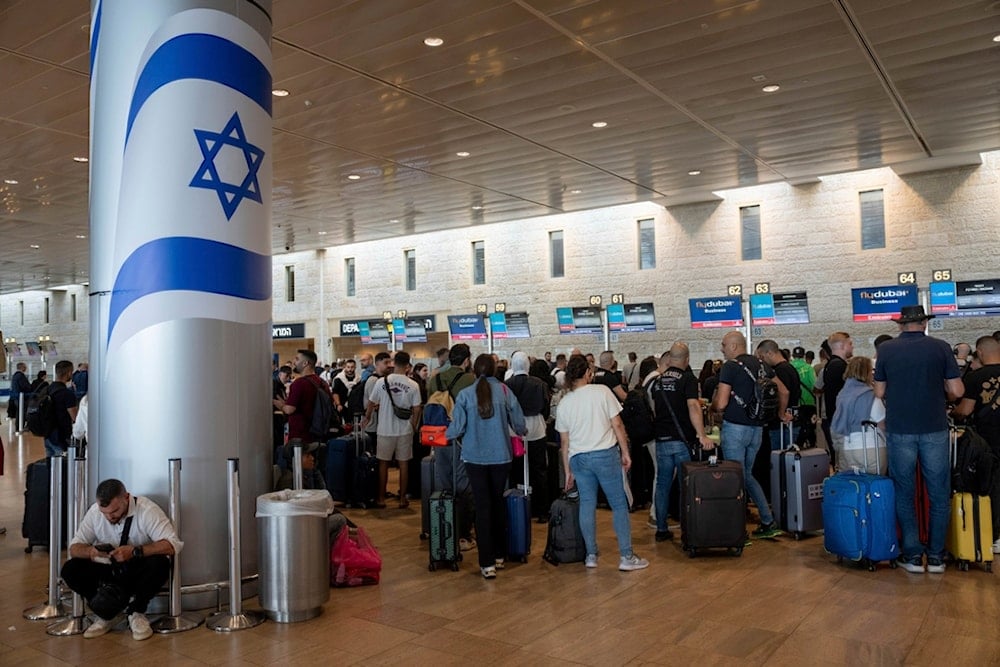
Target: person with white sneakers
(120, 558)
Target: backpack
(323, 413)
(974, 465)
(356, 399)
(437, 414)
(41, 417)
(763, 405)
(637, 416)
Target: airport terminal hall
(500, 332)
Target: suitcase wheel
(893, 565)
(523, 559)
(871, 565)
(736, 551)
(432, 566)
(424, 536)
(963, 565)
(692, 552)
(454, 566)
(840, 561)
(27, 549)
(797, 535)
(989, 567)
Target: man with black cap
(916, 375)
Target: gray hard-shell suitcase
(797, 486)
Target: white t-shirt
(585, 413)
(405, 394)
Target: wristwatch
(136, 552)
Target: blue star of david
(207, 176)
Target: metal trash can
(294, 553)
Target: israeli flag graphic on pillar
(193, 235)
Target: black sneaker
(664, 535)
(767, 530)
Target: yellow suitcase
(970, 533)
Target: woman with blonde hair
(856, 403)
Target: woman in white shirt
(594, 454)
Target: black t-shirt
(62, 400)
(676, 387)
(833, 382)
(609, 379)
(983, 387)
(734, 373)
(790, 378)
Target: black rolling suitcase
(713, 506)
(443, 543)
(35, 526)
(364, 477)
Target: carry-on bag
(859, 513)
(364, 475)
(340, 453)
(37, 512)
(518, 503)
(713, 506)
(443, 543)
(797, 485)
(970, 532)
(565, 539)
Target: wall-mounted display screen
(467, 327)
(374, 332)
(410, 330)
(878, 304)
(509, 325)
(786, 308)
(966, 298)
(631, 317)
(716, 312)
(581, 320)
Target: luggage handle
(526, 487)
(792, 445)
(866, 427)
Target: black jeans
(488, 484)
(142, 578)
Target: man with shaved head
(606, 374)
(981, 403)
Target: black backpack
(41, 417)
(637, 416)
(356, 399)
(974, 465)
(763, 405)
(323, 413)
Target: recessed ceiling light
(477, 207)
(80, 158)
(321, 233)
(694, 172)
(773, 88)
(599, 123)
(353, 177)
(996, 38)
(433, 41)
(10, 181)
(279, 92)
(575, 192)
(393, 220)
(81, 236)
(462, 153)
(34, 246)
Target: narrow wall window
(872, 219)
(410, 257)
(21, 308)
(478, 263)
(750, 232)
(289, 283)
(46, 310)
(647, 245)
(72, 306)
(557, 264)
(349, 276)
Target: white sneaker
(98, 628)
(996, 547)
(140, 626)
(633, 562)
(590, 560)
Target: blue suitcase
(859, 515)
(339, 460)
(518, 502)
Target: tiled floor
(783, 602)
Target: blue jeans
(931, 450)
(775, 435)
(670, 454)
(52, 449)
(740, 443)
(602, 467)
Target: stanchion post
(76, 490)
(54, 607)
(21, 426)
(235, 618)
(297, 467)
(178, 620)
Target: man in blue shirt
(917, 375)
